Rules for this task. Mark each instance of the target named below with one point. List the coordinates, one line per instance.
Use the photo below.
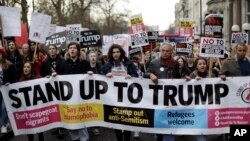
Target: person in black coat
(14, 56)
(75, 63)
(52, 64)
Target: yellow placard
(136, 20)
(186, 24)
(79, 113)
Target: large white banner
(39, 27)
(11, 21)
(174, 106)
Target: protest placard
(57, 39)
(153, 36)
(11, 21)
(39, 27)
(214, 25)
(239, 38)
(52, 29)
(186, 32)
(90, 38)
(121, 39)
(184, 49)
(73, 32)
(137, 24)
(212, 47)
(60, 29)
(139, 39)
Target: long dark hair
(32, 68)
(196, 62)
(110, 53)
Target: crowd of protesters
(28, 62)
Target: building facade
(235, 12)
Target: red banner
(24, 36)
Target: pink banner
(37, 118)
(218, 118)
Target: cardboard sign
(186, 32)
(11, 21)
(73, 32)
(239, 38)
(58, 39)
(212, 47)
(52, 29)
(121, 39)
(184, 49)
(139, 39)
(186, 24)
(60, 29)
(39, 27)
(136, 19)
(137, 24)
(153, 36)
(90, 38)
(214, 26)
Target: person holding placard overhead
(119, 65)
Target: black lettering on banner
(139, 94)
(91, 90)
(38, 95)
(52, 91)
(170, 93)
(129, 116)
(218, 93)
(101, 87)
(69, 87)
(203, 96)
(25, 92)
(156, 89)
(120, 86)
(181, 95)
(17, 102)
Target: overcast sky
(155, 12)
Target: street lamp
(246, 29)
(235, 28)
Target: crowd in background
(31, 61)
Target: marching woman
(29, 74)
